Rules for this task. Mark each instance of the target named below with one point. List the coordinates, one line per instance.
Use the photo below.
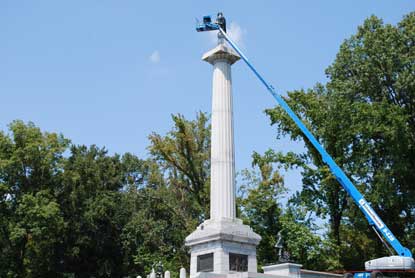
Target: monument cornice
(221, 52)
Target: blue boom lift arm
(370, 214)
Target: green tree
(169, 196)
(90, 214)
(155, 231)
(304, 243)
(377, 68)
(184, 154)
(36, 233)
(91, 202)
(364, 117)
(259, 207)
(30, 218)
(262, 206)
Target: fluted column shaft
(222, 195)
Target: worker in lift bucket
(221, 21)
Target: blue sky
(111, 72)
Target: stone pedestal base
(284, 269)
(222, 238)
(292, 270)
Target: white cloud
(155, 57)
(235, 32)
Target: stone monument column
(222, 177)
(222, 244)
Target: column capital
(221, 52)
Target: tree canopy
(364, 117)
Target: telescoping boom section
(404, 259)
